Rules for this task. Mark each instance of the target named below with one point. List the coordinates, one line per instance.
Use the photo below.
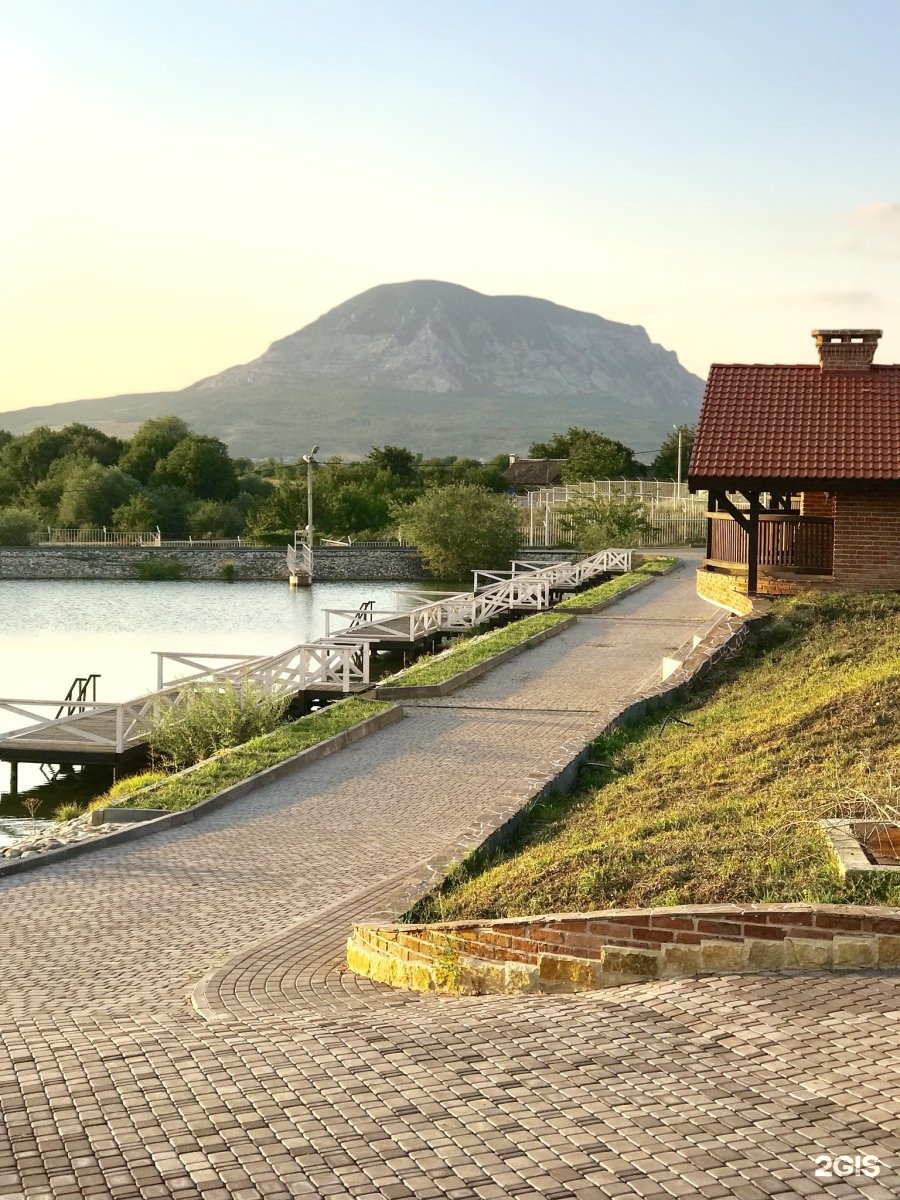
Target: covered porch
(767, 542)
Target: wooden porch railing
(787, 541)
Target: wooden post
(753, 544)
(14, 780)
(713, 505)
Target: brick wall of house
(817, 504)
(867, 541)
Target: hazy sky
(184, 181)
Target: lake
(51, 631)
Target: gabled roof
(799, 424)
(534, 472)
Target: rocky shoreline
(52, 837)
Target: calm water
(52, 631)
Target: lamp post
(310, 461)
(680, 433)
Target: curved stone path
(175, 1019)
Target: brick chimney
(846, 349)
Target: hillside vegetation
(723, 803)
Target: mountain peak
(428, 364)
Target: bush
(461, 527)
(67, 812)
(16, 526)
(228, 571)
(208, 719)
(596, 524)
(159, 568)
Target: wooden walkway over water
(87, 732)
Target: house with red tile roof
(802, 467)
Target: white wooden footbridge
(78, 730)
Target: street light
(679, 430)
(310, 461)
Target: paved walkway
(290, 1077)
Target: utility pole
(680, 432)
(310, 461)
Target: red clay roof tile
(797, 422)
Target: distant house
(526, 473)
(802, 466)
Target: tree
(92, 493)
(461, 527)
(171, 505)
(152, 441)
(16, 526)
(589, 454)
(599, 457)
(596, 524)
(202, 465)
(396, 459)
(209, 519)
(280, 513)
(137, 515)
(665, 465)
(30, 456)
(84, 441)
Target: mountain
(429, 365)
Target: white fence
(115, 537)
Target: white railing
(95, 537)
(300, 559)
(549, 527)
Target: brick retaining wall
(583, 951)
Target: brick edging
(311, 754)
(583, 951)
(421, 691)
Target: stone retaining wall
(332, 563)
(583, 951)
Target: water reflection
(52, 631)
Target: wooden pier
(79, 731)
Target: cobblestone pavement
(291, 1077)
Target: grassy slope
(727, 807)
(231, 766)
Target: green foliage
(461, 527)
(211, 519)
(208, 719)
(589, 455)
(125, 789)
(137, 515)
(151, 443)
(67, 812)
(182, 791)
(228, 571)
(396, 459)
(171, 505)
(16, 526)
(723, 803)
(619, 583)
(597, 524)
(92, 493)
(159, 569)
(665, 465)
(468, 651)
(202, 465)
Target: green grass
(187, 788)
(603, 591)
(467, 651)
(726, 807)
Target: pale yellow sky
(177, 195)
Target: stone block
(618, 964)
(765, 954)
(519, 978)
(680, 960)
(854, 952)
(889, 950)
(806, 954)
(565, 974)
(723, 957)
